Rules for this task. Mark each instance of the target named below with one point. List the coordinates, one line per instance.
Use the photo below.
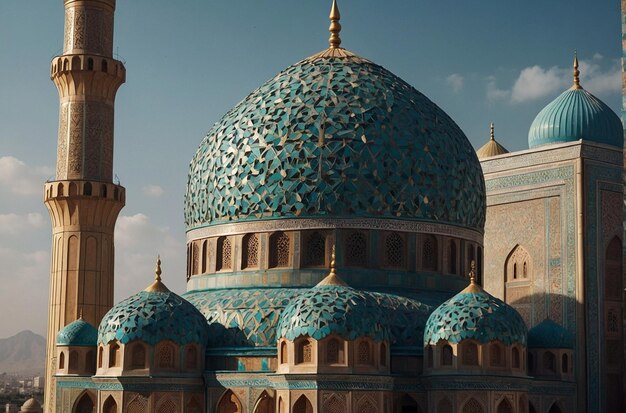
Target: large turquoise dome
(475, 314)
(576, 114)
(335, 135)
(549, 334)
(154, 315)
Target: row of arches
(137, 355)
(473, 405)
(85, 188)
(86, 403)
(219, 254)
(81, 62)
(492, 355)
(334, 351)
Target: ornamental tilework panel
(335, 137)
(478, 316)
(153, 317)
(250, 317)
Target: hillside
(23, 354)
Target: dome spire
(332, 278)
(157, 285)
(492, 135)
(576, 72)
(473, 287)
(335, 26)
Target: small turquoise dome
(78, 333)
(576, 114)
(153, 315)
(332, 307)
(475, 314)
(549, 334)
(335, 136)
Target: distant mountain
(23, 354)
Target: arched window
(66, 64)
(302, 405)
(90, 64)
(473, 406)
(87, 189)
(265, 403)
(356, 249)
(549, 362)
(470, 354)
(73, 189)
(138, 356)
(61, 361)
(564, 364)
(452, 257)
(429, 253)
(314, 253)
(279, 250)
(114, 355)
(250, 246)
(103, 190)
(515, 358)
(104, 66)
(75, 63)
(224, 254)
(229, 403)
(304, 351)
(334, 404)
(505, 407)
(196, 258)
(167, 406)
(332, 351)
(60, 190)
(73, 361)
(90, 361)
(109, 405)
(165, 358)
(100, 356)
(283, 353)
(191, 357)
(383, 354)
(518, 264)
(446, 355)
(496, 358)
(364, 354)
(204, 258)
(84, 404)
(394, 250)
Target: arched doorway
(229, 403)
(84, 404)
(109, 405)
(264, 404)
(407, 405)
(302, 405)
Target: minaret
(83, 201)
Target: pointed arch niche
(85, 403)
(265, 403)
(518, 275)
(229, 403)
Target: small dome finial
(80, 314)
(492, 135)
(335, 26)
(472, 273)
(157, 270)
(157, 285)
(332, 278)
(576, 72)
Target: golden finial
(576, 72)
(332, 278)
(335, 26)
(80, 314)
(157, 285)
(492, 135)
(472, 273)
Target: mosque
(347, 251)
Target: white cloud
(455, 81)
(536, 82)
(599, 81)
(493, 92)
(20, 178)
(137, 242)
(15, 224)
(152, 190)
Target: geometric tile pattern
(333, 309)
(477, 316)
(549, 334)
(340, 137)
(249, 318)
(78, 333)
(153, 317)
(576, 114)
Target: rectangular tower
(83, 201)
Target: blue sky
(190, 61)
